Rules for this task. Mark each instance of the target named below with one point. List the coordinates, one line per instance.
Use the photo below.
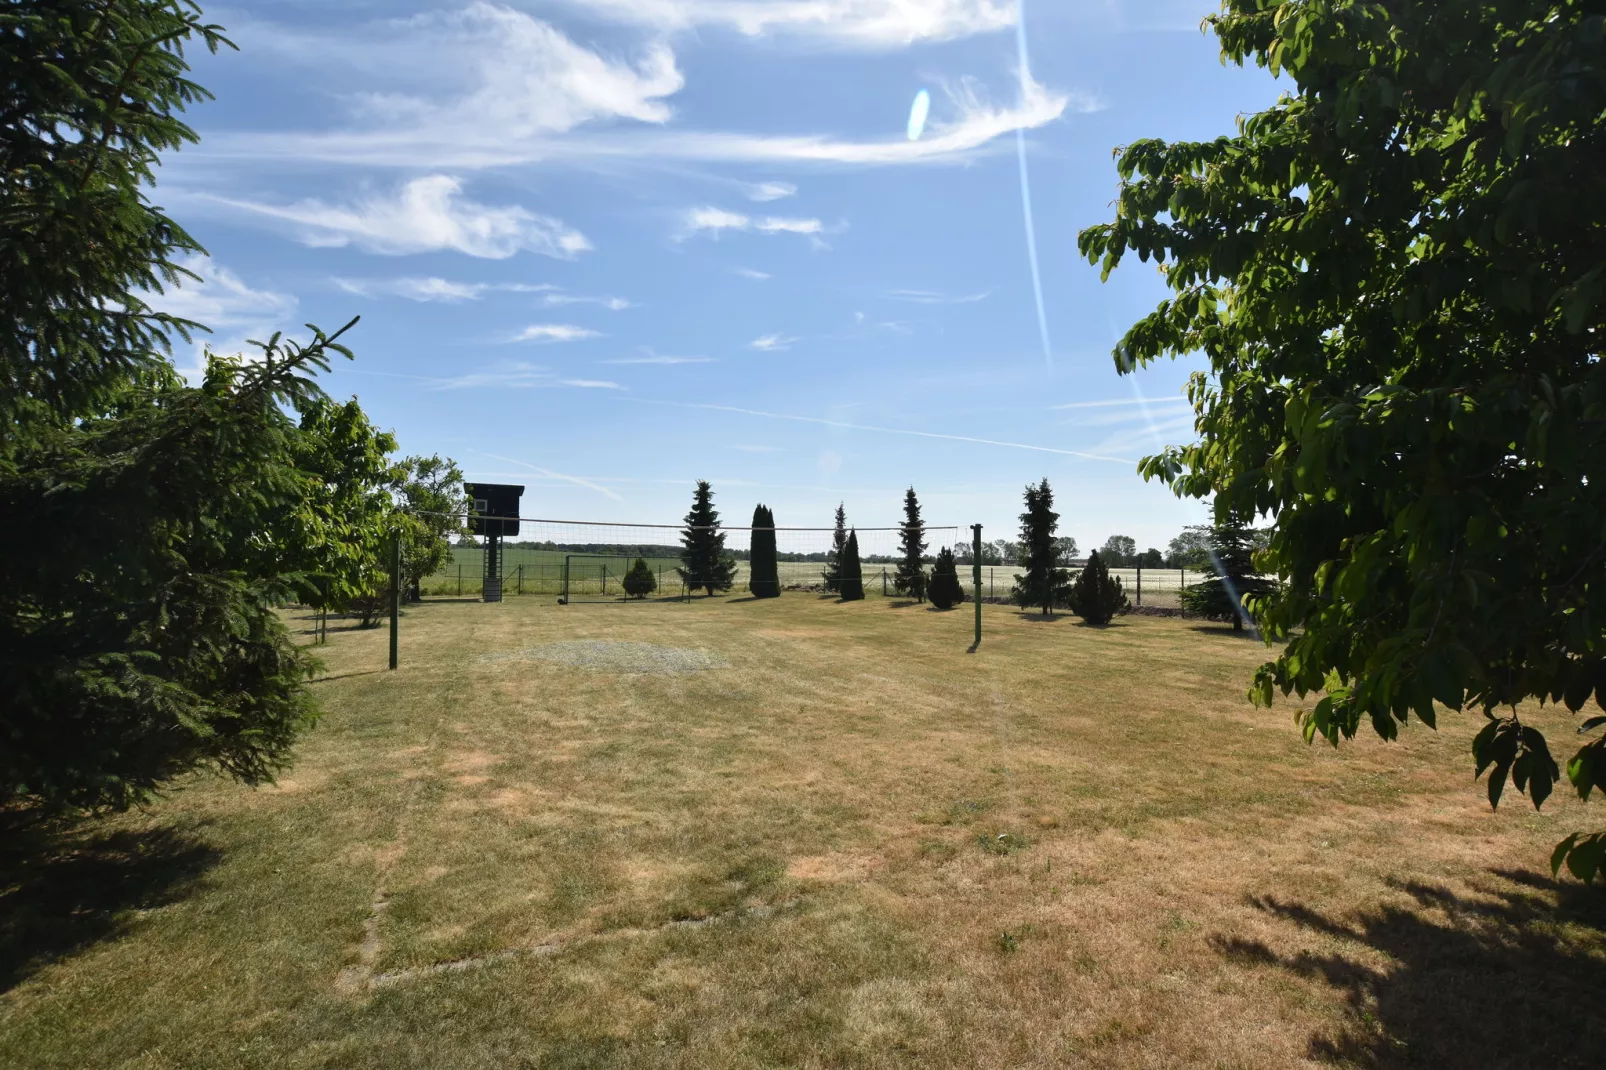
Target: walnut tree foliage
(1397, 275)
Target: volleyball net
(582, 561)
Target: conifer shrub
(639, 582)
(850, 583)
(1096, 596)
(943, 587)
(832, 574)
(765, 577)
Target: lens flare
(918, 112)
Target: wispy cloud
(517, 375)
(502, 88)
(222, 301)
(1121, 402)
(853, 23)
(615, 304)
(548, 473)
(650, 357)
(770, 343)
(931, 297)
(423, 215)
(753, 273)
(555, 332)
(462, 87)
(434, 288)
(769, 191)
(713, 221)
(884, 430)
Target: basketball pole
(395, 593)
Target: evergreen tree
(851, 580)
(1096, 596)
(1221, 596)
(639, 582)
(1044, 583)
(945, 590)
(765, 578)
(839, 543)
(910, 578)
(702, 554)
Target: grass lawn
(843, 841)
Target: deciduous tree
(1397, 277)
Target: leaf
(1559, 855)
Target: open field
(800, 834)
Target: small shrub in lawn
(944, 589)
(1096, 596)
(639, 582)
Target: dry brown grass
(855, 845)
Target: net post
(975, 564)
(1140, 585)
(395, 594)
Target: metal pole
(1140, 585)
(395, 594)
(976, 577)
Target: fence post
(1140, 585)
(883, 583)
(521, 580)
(1182, 579)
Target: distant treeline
(661, 551)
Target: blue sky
(606, 247)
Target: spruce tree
(911, 574)
(1096, 596)
(765, 578)
(639, 582)
(851, 580)
(702, 555)
(1221, 596)
(945, 590)
(839, 543)
(1044, 582)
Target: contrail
(1026, 187)
(538, 470)
(880, 430)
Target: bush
(944, 589)
(1096, 596)
(639, 582)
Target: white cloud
(591, 384)
(651, 357)
(465, 85)
(555, 332)
(225, 303)
(751, 273)
(930, 297)
(424, 215)
(854, 23)
(511, 375)
(710, 220)
(769, 343)
(769, 191)
(428, 289)
(614, 304)
(221, 299)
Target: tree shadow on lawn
(1493, 984)
(1225, 630)
(65, 886)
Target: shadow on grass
(1512, 981)
(67, 886)
(1224, 630)
(347, 676)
